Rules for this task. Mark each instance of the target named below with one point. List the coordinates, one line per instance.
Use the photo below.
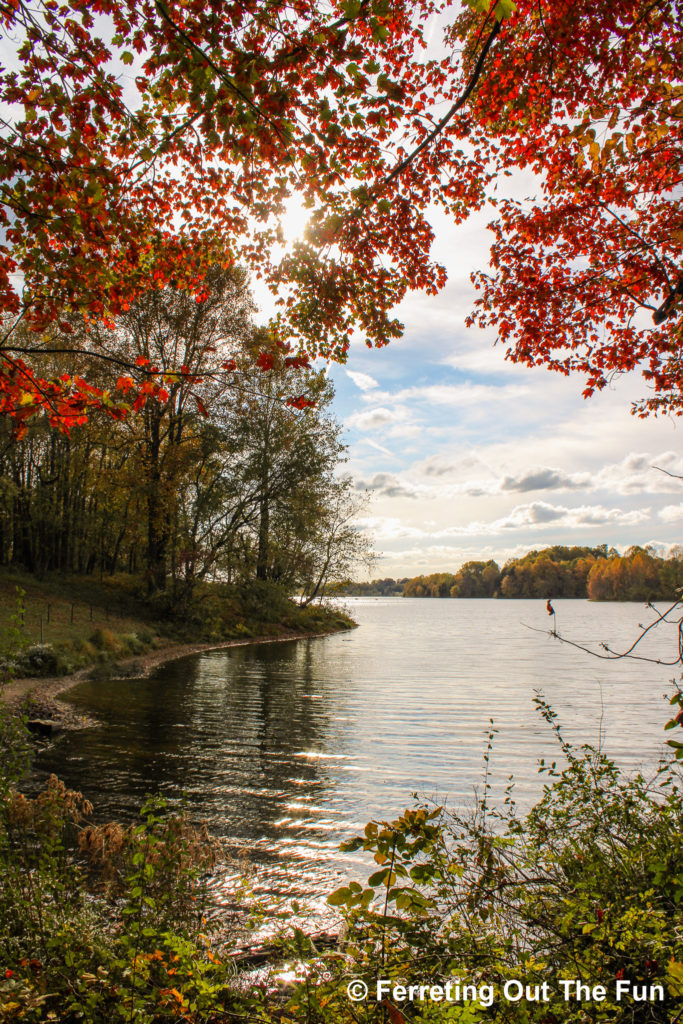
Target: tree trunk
(157, 531)
(263, 536)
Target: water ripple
(286, 749)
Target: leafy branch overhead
(144, 142)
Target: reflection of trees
(224, 727)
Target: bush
(114, 936)
(103, 924)
(104, 640)
(42, 660)
(587, 887)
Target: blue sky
(465, 456)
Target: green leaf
(339, 897)
(383, 877)
(504, 9)
(351, 8)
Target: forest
(599, 574)
(173, 495)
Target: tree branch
(458, 105)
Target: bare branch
(611, 655)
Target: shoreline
(44, 691)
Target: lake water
(288, 748)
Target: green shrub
(587, 887)
(131, 643)
(41, 660)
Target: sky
(465, 456)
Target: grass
(70, 622)
(68, 609)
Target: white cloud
(443, 465)
(362, 380)
(540, 514)
(545, 479)
(471, 476)
(643, 473)
(457, 395)
(387, 528)
(671, 513)
(476, 474)
(378, 447)
(371, 419)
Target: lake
(288, 748)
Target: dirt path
(43, 692)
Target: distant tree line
(598, 573)
(387, 587)
(219, 479)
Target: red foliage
(587, 273)
(108, 192)
(265, 360)
(300, 402)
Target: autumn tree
(69, 502)
(174, 497)
(476, 579)
(110, 191)
(437, 584)
(638, 575)
(167, 333)
(333, 545)
(287, 459)
(586, 273)
(112, 185)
